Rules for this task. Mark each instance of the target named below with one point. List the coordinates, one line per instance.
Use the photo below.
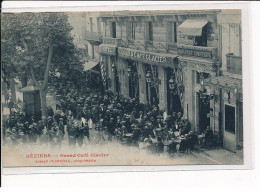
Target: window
(230, 119)
(149, 31)
(204, 75)
(172, 32)
(113, 29)
(98, 25)
(91, 24)
(130, 28)
(201, 40)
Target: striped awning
(192, 27)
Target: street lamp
(171, 83)
(129, 71)
(114, 68)
(148, 77)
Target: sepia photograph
(122, 88)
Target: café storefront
(150, 71)
(108, 62)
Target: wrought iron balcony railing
(114, 41)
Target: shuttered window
(130, 29)
(149, 31)
(172, 32)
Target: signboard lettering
(147, 57)
(196, 53)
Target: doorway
(204, 110)
(173, 98)
(133, 80)
(152, 88)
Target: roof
(225, 81)
(124, 13)
(30, 87)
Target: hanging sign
(108, 50)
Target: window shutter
(128, 30)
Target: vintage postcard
(132, 88)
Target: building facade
(180, 61)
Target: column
(162, 89)
(123, 78)
(126, 79)
(142, 83)
(111, 75)
(197, 111)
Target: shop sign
(195, 53)
(107, 50)
(144, 56)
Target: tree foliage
(26, 42)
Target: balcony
(94, 37)
(234, 64)
(152, 46)
(114, 41)
(209, 53)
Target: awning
(81, 46)
(192, 27)
(29, 89)
(89, 65)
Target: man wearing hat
(30, 134)
(136, 134)
(49, 122)
(72, 134)
(44, 139)
(50, 111)
(61, 126)
(80, 135)
(57, 116)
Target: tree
(36, 45)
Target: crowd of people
(118, 118)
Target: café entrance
(133, 79)
(204, 111)
(173, 99)
(152, 84)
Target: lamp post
(131, 76)
(114, 70)
(172, 87)
(149, 80)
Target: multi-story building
(87, 38)
(79, 27)
(226, 88)
(181, 61)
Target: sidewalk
(222, 156)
